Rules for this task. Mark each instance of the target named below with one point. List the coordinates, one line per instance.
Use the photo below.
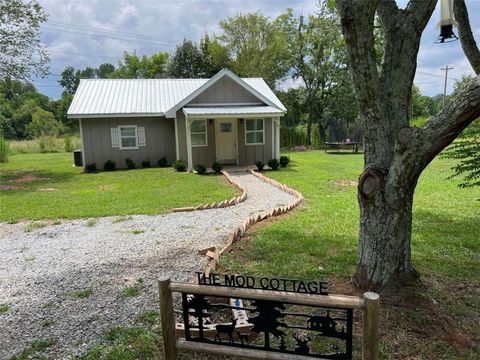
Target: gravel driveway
(74, 280)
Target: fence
(335, 325)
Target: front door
(226, 140)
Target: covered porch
(231, 135)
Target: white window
(128, 137)
(198, 132)
(254, 134)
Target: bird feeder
(446, 22)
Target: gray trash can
(77, 157)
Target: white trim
(213, 80)
(277, 143)
(273, 139)
(121, 147)
(225, 104)
(228, 116)
(189, 144)
(206, 132)
(121, 115)
(177, 149)
(81, 142)
(250, 131)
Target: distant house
(226, 118)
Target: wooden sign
(275, 324)
(264, 283)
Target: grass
(82, 293)
(49, 187)
(134, 290)
(437, 319)
(34, 225)
(39, 145)
(4, 308)
(36, 347)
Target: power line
(114, 32)
(87, 55)
(436, 75)
(109, 37)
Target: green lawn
(439, 318)
(49, 187)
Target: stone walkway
(73, 281)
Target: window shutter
(115, 137)
(141, 136)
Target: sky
(82, 33)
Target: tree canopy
(22, 54)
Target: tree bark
(393, 161)
(469, 45)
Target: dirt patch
(48, 190)
(28, 178)
(344, 184)
(11, 187)
(106, 187)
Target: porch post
(277, 138)
(189, 144)
(177, 151)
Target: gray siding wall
(248, 154)
(97, 145)
(225, 90)
(206, 155)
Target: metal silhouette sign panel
(322, 332)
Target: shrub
(109, 165)
(217, 167)
(4, 150)
(180, 165)
(89, 168)
(145, 164)
(273, 163)
(260, 165)
(46, 144)
(163, 162)
(200, 169)
(284, 160)
(68, 144)
(130, 164)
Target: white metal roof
(146, 97)
(232, 110)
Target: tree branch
(441, 130)
(466, 36)
(357, 18)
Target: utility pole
(446, 68)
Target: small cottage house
(226, 118)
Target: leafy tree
(22, 54)
(395, 155)
(317, 56)
(467, 148)
(134, 67)
(71, 76)
(215, 56)
(187, 61)
(43, 124)
(256, 46)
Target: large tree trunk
(395, 154)
(384, 239)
